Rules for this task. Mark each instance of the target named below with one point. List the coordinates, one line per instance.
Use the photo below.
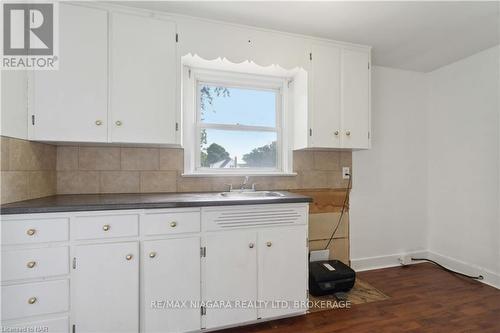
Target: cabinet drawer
(170, 223)
(34, 231)
(34, 263)
(105, 226)
(54, 325)
(24, 300)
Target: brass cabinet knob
(129, 257)
(98, 122)
(269, 244)
(31, 264)
(32, 300)
(348, 133)
(118, 123)
(30, 232)
(251, 245)
(173, 224)
(152, 254)
(336, 133)
(106, 227)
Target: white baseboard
(370, 263)
(490, 278)
(365, 264)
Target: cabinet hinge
(176, 126)
(33, 119)
(368, 65)
(368, 135)
(189, 73)
(73, 329)
(74, 262)
(203, 310)
(203, 251)
(310, 132)
(177, 38)
(310, 56)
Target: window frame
(193, 78)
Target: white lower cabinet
(267, 267)
(157, 270)
(105, 287)
(282, 272)
(229, 275)
(171, 285)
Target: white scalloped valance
(237, 45)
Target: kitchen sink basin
(251, 194)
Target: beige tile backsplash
(31, 170)
(127, 170)
(28, 170)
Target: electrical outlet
(405, 260)
(320, 255)
(346, 172)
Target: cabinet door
(70, 104)
(282, 269)
(105, 288)
(230, 274)
(325, 86)
(171, 273)
(355, 99)
(143, 80)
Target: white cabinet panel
(355, 98)
(34, 230)
(325, 96)
(33, 263)
(69, 103)
(105, 288)
(282, 269)
(229, 274)
(14, 115)
(32, 299)
(55, 325)
(143, 80)
(170, 273)
(105, 226)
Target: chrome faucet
(245, 182)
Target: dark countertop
(92, 202)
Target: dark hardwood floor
(423, 298)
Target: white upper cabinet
(142, 80)
(325, 97)
(70, 104)
(355, 99)
(339, 99)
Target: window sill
(239, 174)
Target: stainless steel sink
(251, 194)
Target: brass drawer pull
(32, 300)
(173, 224)
(31, 264)
(31, 232)
(152, 254)
(106, 227)
(269, 244)
(129, 257)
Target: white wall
(389, 196)
(463, 182)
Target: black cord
(479, 277)
(341, 213)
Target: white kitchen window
(235, 124)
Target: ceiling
(418, 36)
